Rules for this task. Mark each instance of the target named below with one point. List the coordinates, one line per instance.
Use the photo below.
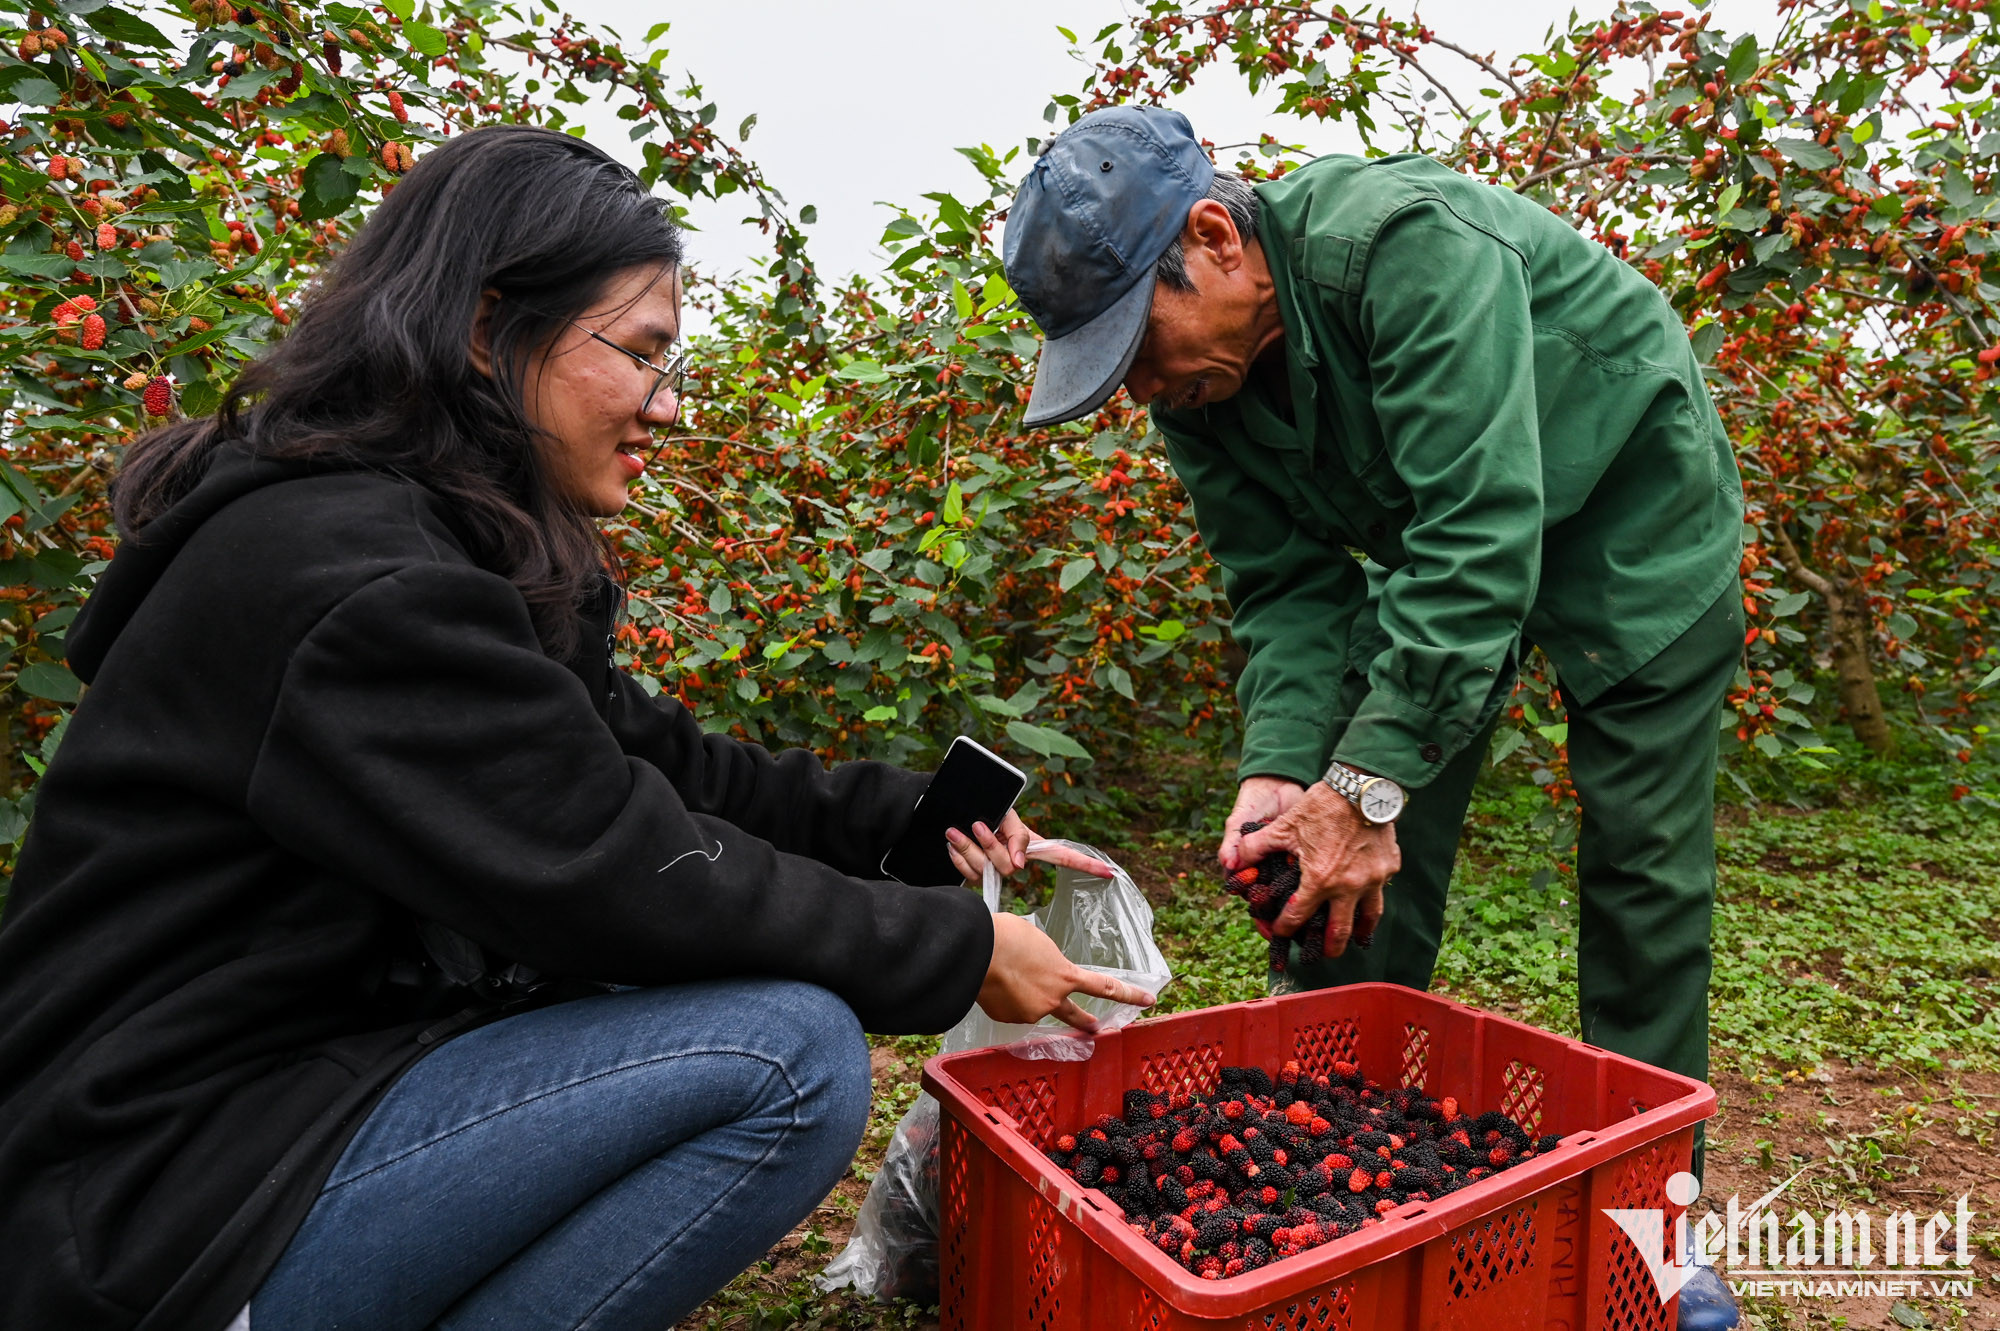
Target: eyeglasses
(673, 373)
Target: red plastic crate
(1025, 1247)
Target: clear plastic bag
(1102, 924)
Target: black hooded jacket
(314, 726)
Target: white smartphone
(972, 785)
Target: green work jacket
(1489, 430)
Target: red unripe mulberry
(159, 396)
(72, 309)
(396, 107)
(93, 331)
(1359, 1181)
(107, 236)
(74, 251)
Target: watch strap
(1345, 781)
(1350, 783)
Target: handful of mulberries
(1267, 886)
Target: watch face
(1381, 801)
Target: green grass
(1866, 933)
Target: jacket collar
(1301, 349)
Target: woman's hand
(1007, 851)
(1029, 978)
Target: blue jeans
(606, 1163)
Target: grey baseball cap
(1094, 215)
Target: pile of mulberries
(1263, 1168)
(1267, 885)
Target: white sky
(858, 103)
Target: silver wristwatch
(1379, 799)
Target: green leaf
(1728, 200)
(48, 679)
(1811, 155)
(1992, 678)
(1121, 680)
(1076, 571)
(1706, 338)
(1167, 630)
(1504, 746)
(425, 40)
(1902, 625)
(1789, 604)
(878, 714)
(1048, 743)
(862, 372)
(990, 703)
(200, 398)
(719, 600)
(37, 265)
(1902, 1312)
(996, 292)
(1742, 59)
(35, 92)
(177, 273)
(954, 503)
(1958, 190)
(329, 188)
(1920, 34)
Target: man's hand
(1342, 860)
(1260, 799)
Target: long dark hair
(377, 373)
